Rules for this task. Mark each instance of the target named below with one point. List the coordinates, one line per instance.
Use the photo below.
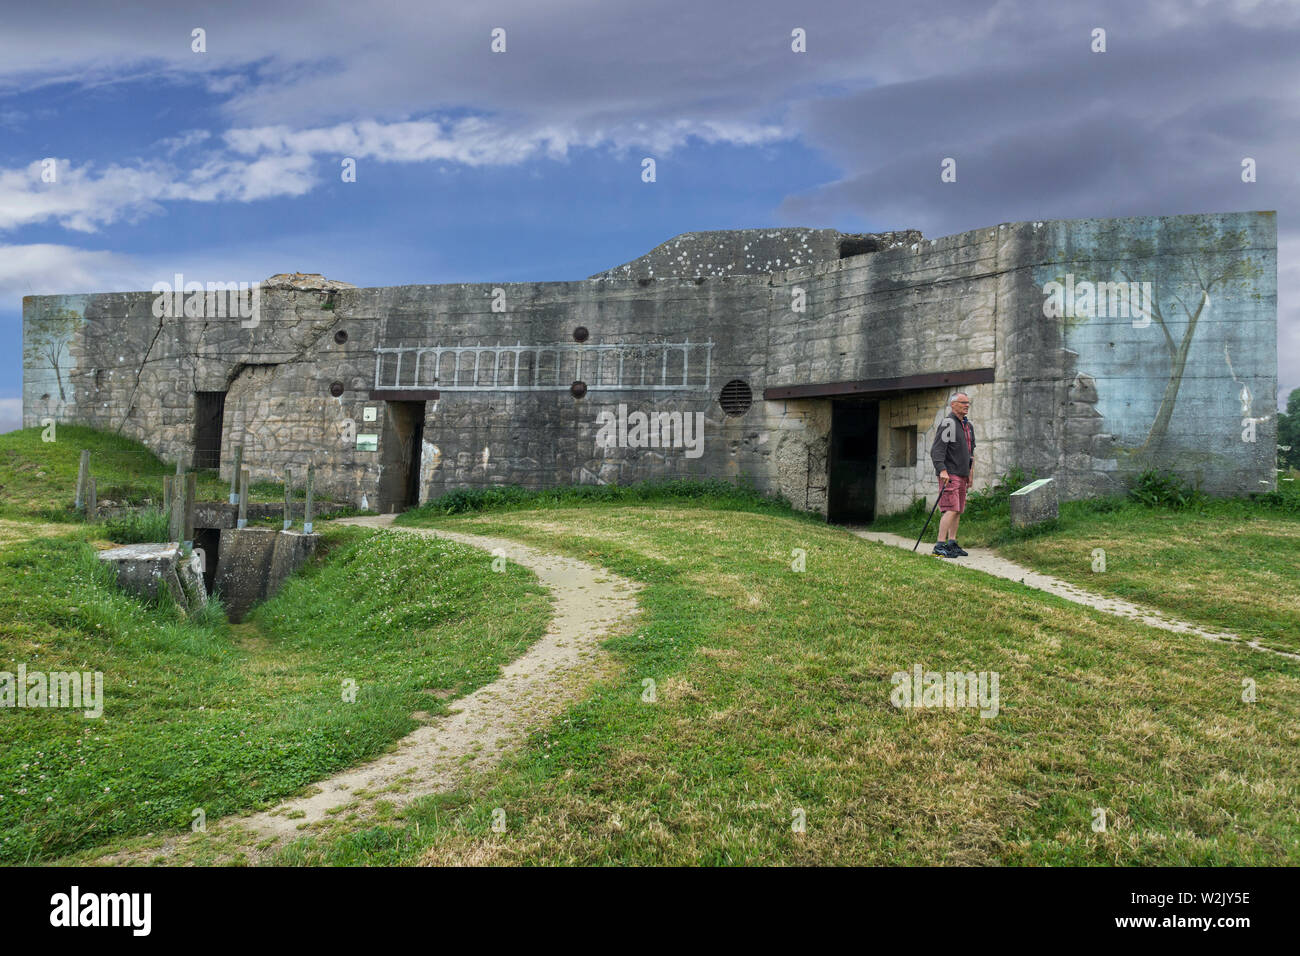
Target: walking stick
(931, 515)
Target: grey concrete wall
(547, 437)
(1205, 359)
(123, 369)
(1075, 397)
(1072, 398)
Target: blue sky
(525, 165)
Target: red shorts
(953, 496)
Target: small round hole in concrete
(578, 389)
(340, 336)
(336, 389)
(580, 334)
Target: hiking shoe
(957, 550)
(941, 549)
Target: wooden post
(191, 499)
(311, 487)
(83, 472)
(175, 504)
(288, 491)
(92, 503)
(243, 498)
(234, 474)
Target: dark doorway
(413, 468)
(209, 410)
(855, 427)
(209, 539)
(399, 449)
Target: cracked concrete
(139, 373)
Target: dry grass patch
(13, 532)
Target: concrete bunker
(818, 323)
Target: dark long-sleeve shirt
(954, 446)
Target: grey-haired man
(953, 455)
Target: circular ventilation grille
(340, 336)
(578, 389)
(736, 398)
(336, 389)
(580, 334)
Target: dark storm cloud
(1157, 125)
(1158, 128)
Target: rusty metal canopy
(881, 386)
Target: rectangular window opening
(902, 447)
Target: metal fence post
(288, 491)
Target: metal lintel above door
(881, 387)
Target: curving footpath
(590, 603)
(983, 559)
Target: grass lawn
(751, 719)
(200, 714)
(772, 706)
(1230, 565)
(38, 479)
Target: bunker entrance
(400, 446)
(855, 427)
(209, 410)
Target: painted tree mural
(47, 343)
(1191, 295)
(1169, 297)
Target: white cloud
(50, 269)
(273, 161)
(84, 199)
(481, 141)
(78, 199)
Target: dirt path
(983, 559)
(590, 604)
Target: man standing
(953, 454)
